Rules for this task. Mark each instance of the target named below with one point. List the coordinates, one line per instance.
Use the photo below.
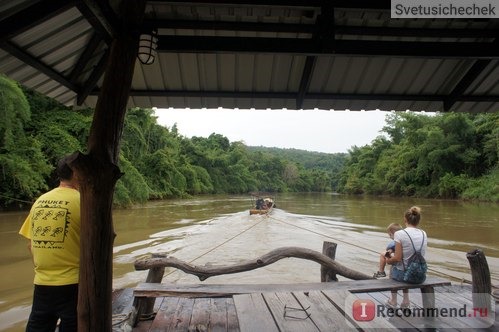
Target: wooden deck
(319, 308)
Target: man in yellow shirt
(53, 230)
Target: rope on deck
(120, 322)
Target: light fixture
(147, 47)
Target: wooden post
(97, 180)
(480, 278)
(145, 306)
(428, 295)
(98, 172)
(328, 249)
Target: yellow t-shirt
(53, 226)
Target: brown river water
(218, 230)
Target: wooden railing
(158, 262)
(204, 272)
(145, 293)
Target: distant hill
(332, 162)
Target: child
(389, 252)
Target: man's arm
(31, 252)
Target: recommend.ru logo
(452, 309)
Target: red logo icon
(363, 310)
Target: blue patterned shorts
(397, 274)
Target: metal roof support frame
(339, 51)
(324, 37)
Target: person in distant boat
(268, 203)
(389, 251)
(260, 204)
(53, 230)
(405, 241)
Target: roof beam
(324, 35)
(471, 75)
(400, 97)
(208, 94)
(228, 25)
(353, 4)
(306, 77)
(35, 63)
(293, 95)
(96, 74)
(465, 82)
(31, 16)
(85, 57)
(309, 47)
(417, 32)
(310, 28)
(100, 16)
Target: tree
(443, 155)
(24, 169)
(131, 188)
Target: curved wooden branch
(204, 272)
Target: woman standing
(404, 249)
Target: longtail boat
(263, 204)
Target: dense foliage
(23, 165)
(157, 162)
(451, 155)
(441, 156)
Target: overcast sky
(312, 130)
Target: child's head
(392, 228)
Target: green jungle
(446, 156)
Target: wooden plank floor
(199, 314)
(303, 311)
(298, 311)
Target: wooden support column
(428, 295)
(480, 278)
(98, 172)
(327, 274)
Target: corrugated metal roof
(253, 55)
